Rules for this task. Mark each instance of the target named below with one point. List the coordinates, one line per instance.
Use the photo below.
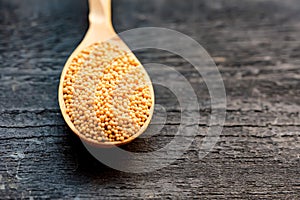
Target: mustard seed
(106, 93)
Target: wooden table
(255, 44)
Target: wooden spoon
(100, 30)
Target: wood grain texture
(255, 44)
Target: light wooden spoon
(100, 30)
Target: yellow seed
(117, 69)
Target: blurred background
(255, 44)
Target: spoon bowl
(101, 30)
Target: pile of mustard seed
(106, 93)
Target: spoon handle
(100, 12)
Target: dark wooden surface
(255, 44)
